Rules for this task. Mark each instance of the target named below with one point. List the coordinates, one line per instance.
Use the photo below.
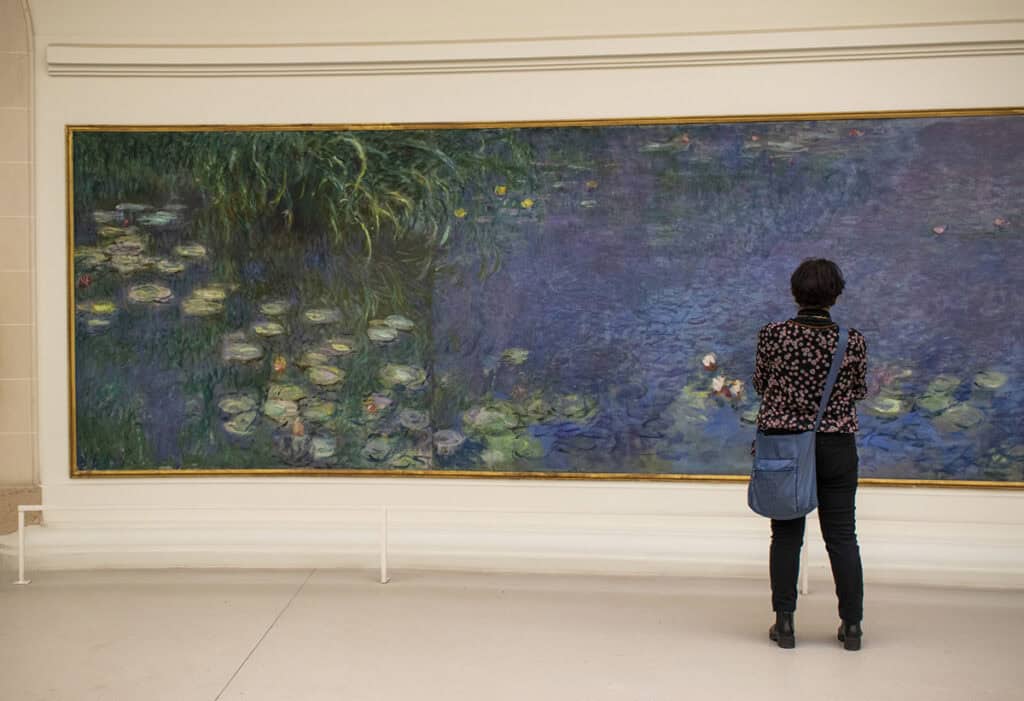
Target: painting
(575, 300)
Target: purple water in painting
(646, 248)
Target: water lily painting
(562, 300)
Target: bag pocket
(773, 487)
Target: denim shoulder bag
(783, 483)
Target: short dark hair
(816, 283)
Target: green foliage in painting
(380, 193)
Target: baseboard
(893, 553)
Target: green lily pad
(528, 448)
(101, 216)
(150, 293)
(694, 397)
(213, 293)
(325, 375)
(381, 334)
(237, 404)
(573, 406)
(134, 207)
(170, 267)
(376, 405)
(399, 322)
(267, 328)
(312, 358)
(319, 411)
(492, 457)
(536, 409)
(934, 403)
(323, 447)
(408, 376)
(243, 424)
(999, 462)
(102, 307)
(88, 258)
(516, 445)
(409, 460)
(322, 316)
(128, 264)
(193, 306)
(990, 379)
(160, 218)
(490, 420)
(127, 246)
(95, 325)
(275, 307)
(884, 406)
(190, 250)
(414, 419)
(241, 351)
(112, 232)
(341, 345)
(893, 391)
(377, 449)
(280, 410)
(943, 384)
(291, 393)
(958, 417)
(448, 441)
(515, 356)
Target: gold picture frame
(72, 130)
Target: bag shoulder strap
(833, 373)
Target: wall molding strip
(589, 53)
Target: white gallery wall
(262, 62)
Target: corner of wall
(19, 473)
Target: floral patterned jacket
(793, 359)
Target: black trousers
(836, 459)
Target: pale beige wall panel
(17, 318)
(15, 244)
(14, 79)
(269, 21)
(14, 135)
(14, 35)
(17, 453)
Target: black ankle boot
(782, 632)
(850, 635)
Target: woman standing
(793, 359)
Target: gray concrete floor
(308, 635)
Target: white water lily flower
(736, 387)
(709, 361)
(718, 383)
